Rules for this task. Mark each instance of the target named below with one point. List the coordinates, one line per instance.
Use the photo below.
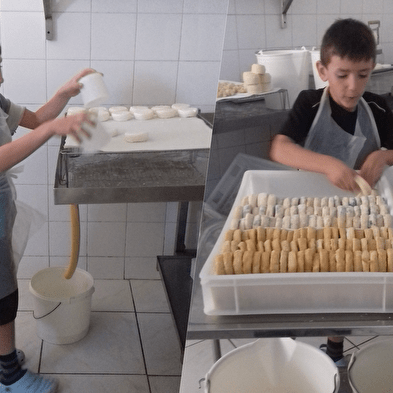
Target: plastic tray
(282, 293)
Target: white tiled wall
(256, 24)
(150, 52)
(172, 48)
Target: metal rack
(48, 19)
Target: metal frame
(285, 4)
(48, 19)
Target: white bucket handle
(336, 383)
(350, 365)
(206, 381)
(45, 315)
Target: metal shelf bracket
(48, 19)
(285, 4)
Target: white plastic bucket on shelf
(315, 56)
(370, 368)
(289, 69)
(274, 365)
(62, 307)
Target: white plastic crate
(273, 293)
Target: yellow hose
(75, 241)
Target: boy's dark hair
(348, 38)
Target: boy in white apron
(339, 131)
(44, 124)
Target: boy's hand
(342, 176)
(71, 125)
(73, 87)
(374, 165)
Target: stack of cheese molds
(257, 80)
(293, 293)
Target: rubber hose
(75, 241)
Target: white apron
(327, 137)
(8, 282)
(18, 221)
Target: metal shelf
(285, 4)
(48, 19)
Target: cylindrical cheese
(249, 78)
(258, 69)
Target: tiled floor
(132, 345)
(199, 358)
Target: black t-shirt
(306, 107)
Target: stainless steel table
(202, 326)
(126, 177)
(163, 176)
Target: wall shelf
(285, 4)
(48, 19)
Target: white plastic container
(274, 365)
(62, 307)
(289, 69)
(94, 91)
(99, 137)
(316, 56)
(370, 368)
(276, 293)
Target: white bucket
(94, 91)
(62, 307)
(315, 56)
(289, 69)
(370, 368)
(277, 365)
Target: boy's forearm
(14, 152)
(285, 151)
(52, 108)
(388, 156)
(48, 111)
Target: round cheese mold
(73, 110)
(121, 116)
(250, 78)
(188, 112)
(258, 69)
(144, 114)
(101, 113)
(97, 109)
(160, 107)
(133, 137)
(180, 106)
(254, 89)
(118, 109)
(166, 113)
(138, 108)
(265, 78)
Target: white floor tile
(112, 295)
(361, 341)
(149, 296)
(27, 339)
(109, 268)
(164, 384)
(141, 268)
(160, 343)
(103, 383)
(111, 346)
(198, 359)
